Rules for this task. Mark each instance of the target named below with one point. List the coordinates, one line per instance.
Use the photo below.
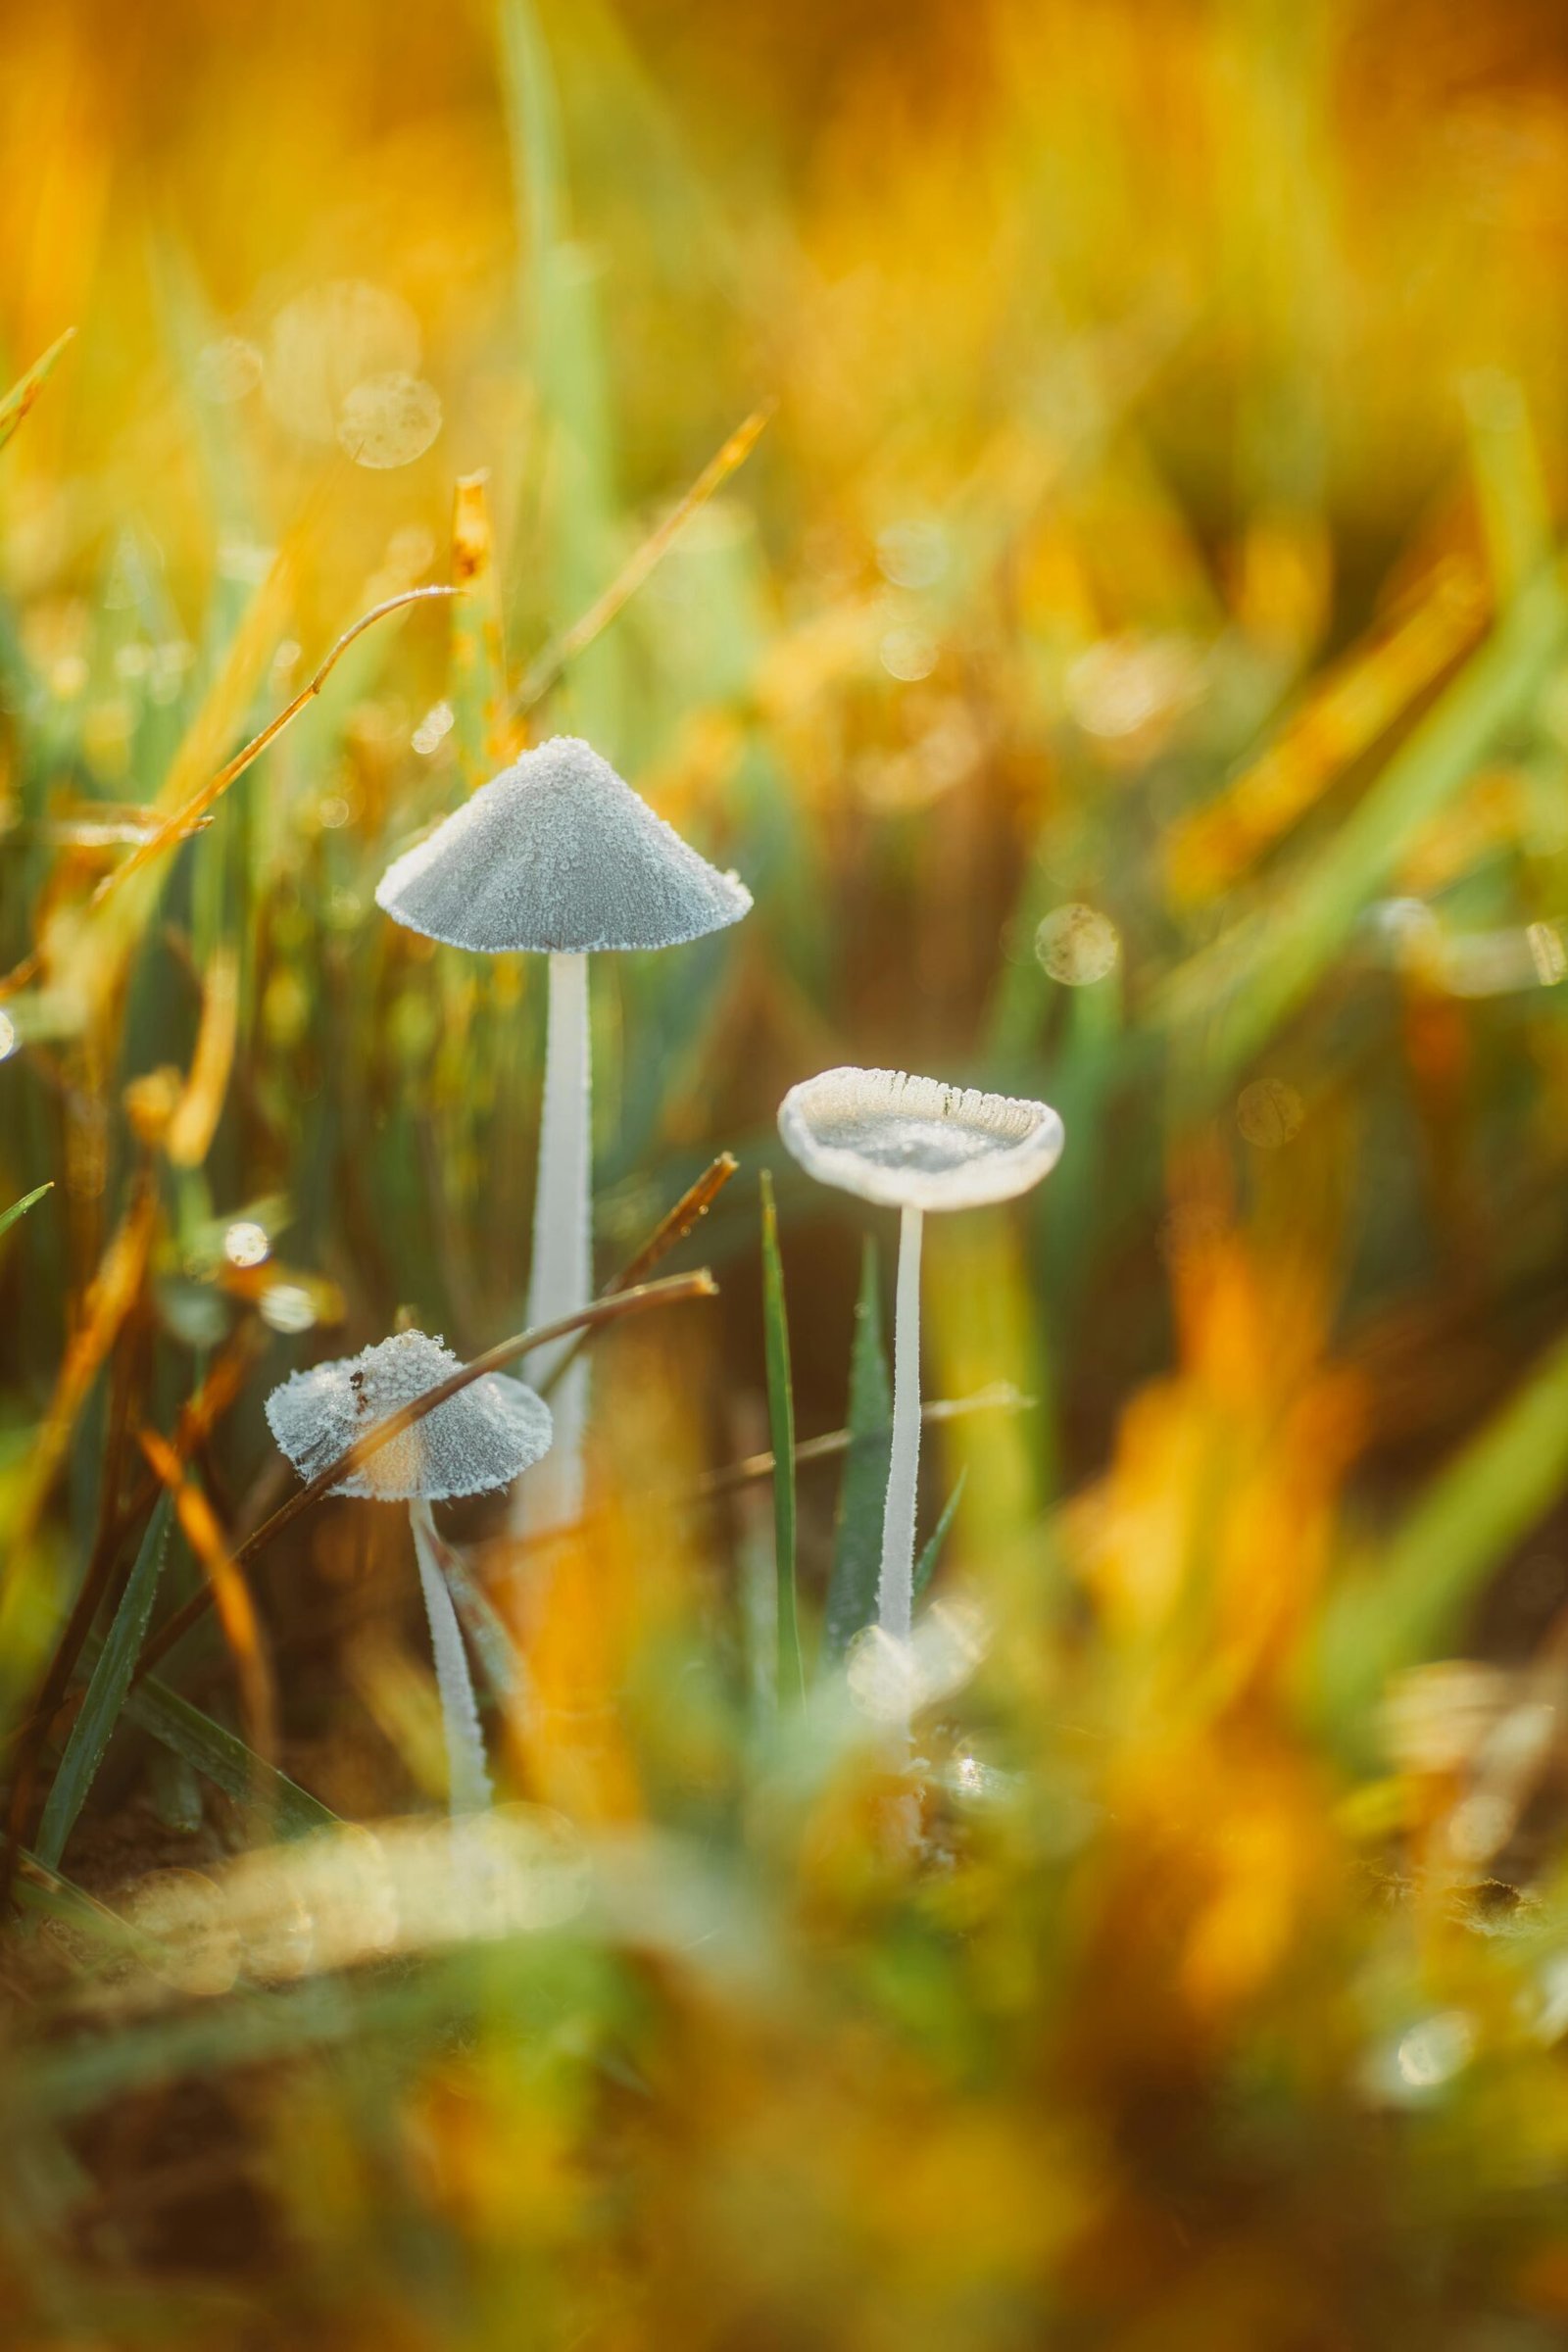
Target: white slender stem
(896, 1589)
(561, 1278)
(468, 1785)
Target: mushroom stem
(468, 1786)
(561, 1277)
(896, 1588)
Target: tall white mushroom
(559, 857)
(481, 1438)
(914, 1144)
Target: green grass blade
(1413, 1602)
(245, 2029)
(781, 1424)
(1515, 508)
(862, 1491)
(496, 1652)
(20, 397)
(925, 1567)
(1251, 980)
(106, 1690)
(20, 1208)
(570, 367)
(44, 1894)
(219, 1757)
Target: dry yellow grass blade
(184, 796)
(186, 807)
(97, 959)
(227, 1371)
(1352, 708)
(195, 1120)
(109, 1299)
(623, 587)
(231, 1597)
(666, 1293)
(484, 735)
(21, 398)
(252, 646)
(673, 1227)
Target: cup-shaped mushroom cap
(482, 1437)
(557, 856)
(913, 1143)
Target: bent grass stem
(669, 1292)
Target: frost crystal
(557, 856)
(913, 1143)
(482, 1437)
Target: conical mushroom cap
(913, 1143)
(557, 856)
(481, 1437)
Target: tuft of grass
(106, 1689)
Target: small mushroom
(559, 857)
(914, 1144)
(481, 1438)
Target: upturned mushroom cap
(913, 1143)
(557, 856)
(482, 1437)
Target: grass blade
(646, 1295)
(561, 307)
(106, 1690)
(219, 1757)
(1413, 1601)
(925, 1567)
(478, 673)
(41, 1891)
(20, 1208)
(862, 1492)
(20, 397)
(642, 563)
(781, 1425)
(1250, 982)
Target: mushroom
(559, 857)
(914, 1144)
(481, 1438)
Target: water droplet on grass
(228, 370)
(912, 554)
(245, 1244)
(1077, 944)
(389, 421)
(1269, 1114)
(326, 341)
(1121, 685)
(909, 654)
(288, 1307)
(432, 728)
(1435, 2050)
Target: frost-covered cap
(913, 1143)
(482, 1437)
(557, 856)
